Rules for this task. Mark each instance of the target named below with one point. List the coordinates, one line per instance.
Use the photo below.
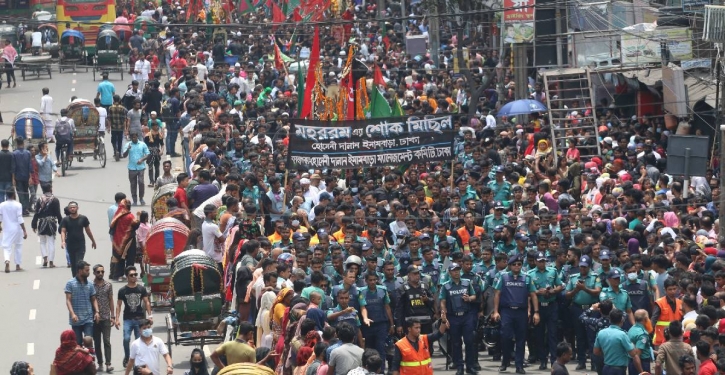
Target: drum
(29, 124)
(158, 203)
(166, 239)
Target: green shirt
(619, 300)
(640, 338)
(308, 290)
(591, 281)
(545, 279)
(615, 345)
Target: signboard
(680, 160)
(642, 47)
(696, 64)
(674, 91)
(694, 6)
(518, 21)
(370, 143)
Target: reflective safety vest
(414, 362)
(465, 236)
(666, 316)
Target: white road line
(207, 354)
(31, 348)
(75, 73)
(31, 315)
(73, 89)
(36, 284)
(74, 81)
(38, 260)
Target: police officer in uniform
(477, 305)
(431, 267)
(583, 290)
(455, 298)
(515, 293)
(548, 285)
(415, 301)
(376, 314)
(637, 289)
(491, 278)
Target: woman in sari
(70, 358)
(264, 329)
(123, 230)
(278, 311)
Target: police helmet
(353, 259)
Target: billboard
(518, 21)
(643, 47)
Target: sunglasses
(517, 264)
(100, 272)
(132, 274)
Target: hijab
(671, 220)
(68, 359)
(546, 151)
(278, 314)
(633, 246)
(267, 300)
(318, 316)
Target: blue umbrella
(521, 107)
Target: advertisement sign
(370, 143)
(694, 6)
(518, 21)
(643, 47)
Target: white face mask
(632, 276)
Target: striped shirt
(81, 295)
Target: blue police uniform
(513, 307)
(433, 270)
(477, 283)
(354, 291)
(351, 318)
(545, 331)
(462, 319)
(580, 302)
(639, 294)
(375, 302)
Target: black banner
(370, 143)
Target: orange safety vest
(414, 362)
(465, 237)
(666, 316)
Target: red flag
(350, 115)
(378, 77)
(278, 63)
(277, 13)
(311, 78)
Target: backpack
(167, 112)
(63, 130)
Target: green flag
(300, 88)
(397, 108)
(379, 107)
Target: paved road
(32, 302)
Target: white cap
(607, 140)
(574, 113)
(153, 113)
(342, 53)
(194, 35)
(305, 181)
(634, 117)
(519, 131)
(285, 114)
(236, 65)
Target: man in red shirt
(182, 179)
(179, 64)
(707, 366)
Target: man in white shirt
(212, 237)
(201, 71)
(146, 350)
(13, 229)
(37, 41)
(490, 127)
(46, 109)
(102, 117)
(141, 71)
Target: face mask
(454, 219)
(632, 276)
(354, 190)
(147, 332)
(295, 223)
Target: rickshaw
(124, 33)
(72, 49)
(145, 23)
(158, 203)
(50, 39)
(196, 288)
(86, 140)
(9, 32)
(29, 125)
(107, 58)
(166, 239)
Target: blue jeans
(4, 186)
(81, 330)
(171, 134)
(186, 155)
(128, 326)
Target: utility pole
(520, 77)
(559, 42)
(434, 35)
(721, 209)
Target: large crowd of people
(602, 259)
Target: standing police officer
(548, 285)
(414, 302)
(583, 289)
(376, 314)
(491, 278)
(638, 289)
(455, 298)
(477, 305)
(515, 294)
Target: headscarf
(68, 360)
(20, 368)
(10, 54)
(267, 300)
(530, 146)
(633, 246)
(278, 313)
(671, 220)
(546, 151)
(318, 316)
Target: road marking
(36, 284)
(74, 81)
(31, 348)
(73, 89)
(38, 260)
(31, 316)
(75, 73)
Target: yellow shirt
(237, 352)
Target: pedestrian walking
(45, 223)
(137, 153)
(80, 300)
(46, 167)
(106, 91)
(13, 230)
(117, 120)
(146, 350)
(34, 178)
(136, 307)
(7, 166)
(106, 318)
(613, 344)
(514, 292)
(21, 173)
(9, 56)
(46, 110)
(72, 236)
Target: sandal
(109, 369)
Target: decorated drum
(167, 239)
(29, 124)
(158, 203)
